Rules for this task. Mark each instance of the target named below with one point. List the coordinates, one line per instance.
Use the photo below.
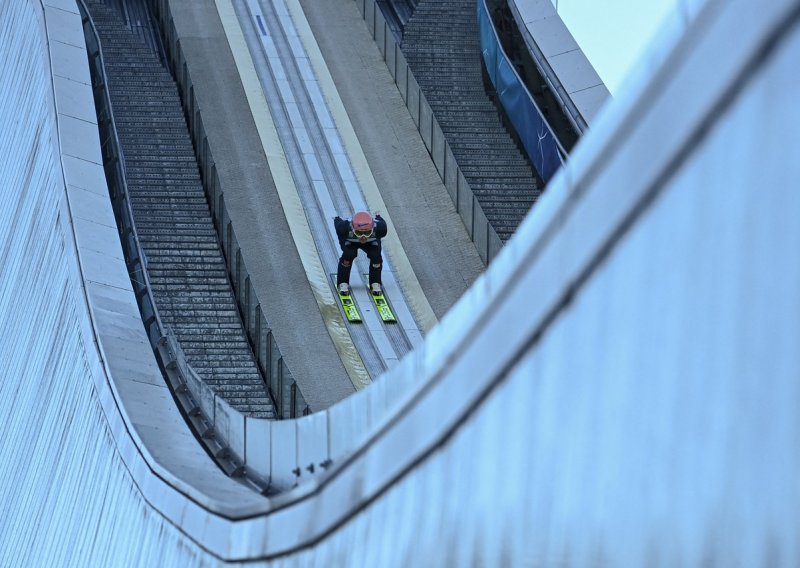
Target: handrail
(166, 348)
(482, 233)
(542, 146)
(289, 400)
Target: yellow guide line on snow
(290, 200)
(415, 297)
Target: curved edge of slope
(150, 432)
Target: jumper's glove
(337, 218)
(378, 216)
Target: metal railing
(485, 237)
(187, 387)
(541, 145)
(289, 400)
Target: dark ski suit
(351, 244)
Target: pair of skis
(381, 304)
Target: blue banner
(534, 131)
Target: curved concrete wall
(638, 406)
(62, 476)
(89, 427)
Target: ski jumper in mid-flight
(362, 232)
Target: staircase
(442, 47)
(184, 259)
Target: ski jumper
(351, 243)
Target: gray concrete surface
(255, 209)
(434, 237)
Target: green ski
(348, 303)
(383, 308)
(349, 307)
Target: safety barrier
(210, 415)
(289, 401)
(186, 385)
(541, 145)
(480, 231)
(288, 398)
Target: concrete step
(442, 47)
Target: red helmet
(363, 222)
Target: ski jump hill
(618, 387)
